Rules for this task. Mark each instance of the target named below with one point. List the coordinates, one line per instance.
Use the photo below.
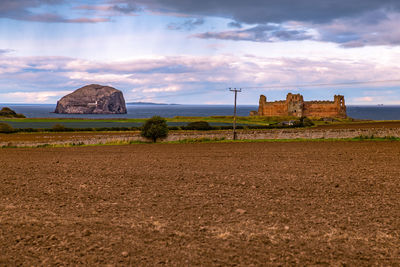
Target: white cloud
(362, 31)
(162, 89)
(101, 77)
(31, 97)
(28, 79)
(392, 99)
(363, 99)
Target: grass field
(45, 123)
(208, 140)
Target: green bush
(199, 125)
(306, 122)
(174, 128)
(155, 128)
(6, 128)
(20, 116)
(58, 128)
(8, 112)
(29, 130)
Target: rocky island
(92, 99)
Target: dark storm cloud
(234, 24)
(250, 11)
(20, 10)
(260, 33)
(266, 11)
(349, 23)
(111, 10)
(187, 25)
(369, 29)
(5, 51)
(56, 18)
(127, 9)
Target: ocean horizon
(366, 112)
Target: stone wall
(308, 133)
(278, 108)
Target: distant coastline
(368, 112)
(151, 104)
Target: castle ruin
(294, 105)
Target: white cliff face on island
(93, 99)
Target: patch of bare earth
(202, 204)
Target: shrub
(155, 128)
(8, 112)
(306, 122)
(174, 128)
(58, 128)
(20, 116)
(28, 130)
(199, 125)
(6, 128)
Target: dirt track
(202, 204)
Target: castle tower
(261, 103)
(295, 104)
(341, 106)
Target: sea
(168, 111)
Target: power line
(274, 86)
(318, 84)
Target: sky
(191, 52)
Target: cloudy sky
(190, 52)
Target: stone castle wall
(294, 105)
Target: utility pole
(234, 111)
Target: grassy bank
(247, 120)
(176, 123)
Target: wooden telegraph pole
(234, 111)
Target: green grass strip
(216, 140)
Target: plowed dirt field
(300, 203)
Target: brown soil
(300, 203)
